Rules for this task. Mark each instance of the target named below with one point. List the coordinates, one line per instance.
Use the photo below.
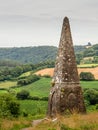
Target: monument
(66, 93)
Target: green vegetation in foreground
(33, 108)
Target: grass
(39, 88)
(7, 84)
(25, 74)
(89, 84)
(72, 122)
(87, 65)
(42, 87)
(15, 124)
(66, 122)
(37, 109)
(33, 108)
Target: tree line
(8, 73)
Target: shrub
(44, 98)
(88, 76)
(23, 94)
(28, 80)
(9, 106)
(91, 95)
(34, 98)
(96, 106)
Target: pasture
(7, 84)
(41, 87)
(33, 108)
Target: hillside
(39, 54)
(29, 54)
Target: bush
(23, 94)
(34, 98)
(9, 106)
(28, 80)
(91, 95)
(44, 98)
(88, 76)
(96, 106)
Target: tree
(79, 57)
(91, 95)
(88, 76)
(9, 106)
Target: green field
(39, 88)
(42, 87)
(87, 65)
(7, 84)
(89, 84)
(26, 74)
(33, 107)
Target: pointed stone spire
(66, 93)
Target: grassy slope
(34, 108)
(41, 87)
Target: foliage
(89, 52)
(79, 48)
(28, 80)
(15, 124)
(9, 106)
(91, 95)
(88, 76)
(33, 107)
(29, 54)
(79, 57)
(39, 88)
(65, 127)
(12, 57)
(23, 94)
(12, 73)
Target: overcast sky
(39, 22)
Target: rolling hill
(40, 54)
(28, 54)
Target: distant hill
(29, 54)
(39, 54)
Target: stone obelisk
(66, 93)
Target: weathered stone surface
(66, 93)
